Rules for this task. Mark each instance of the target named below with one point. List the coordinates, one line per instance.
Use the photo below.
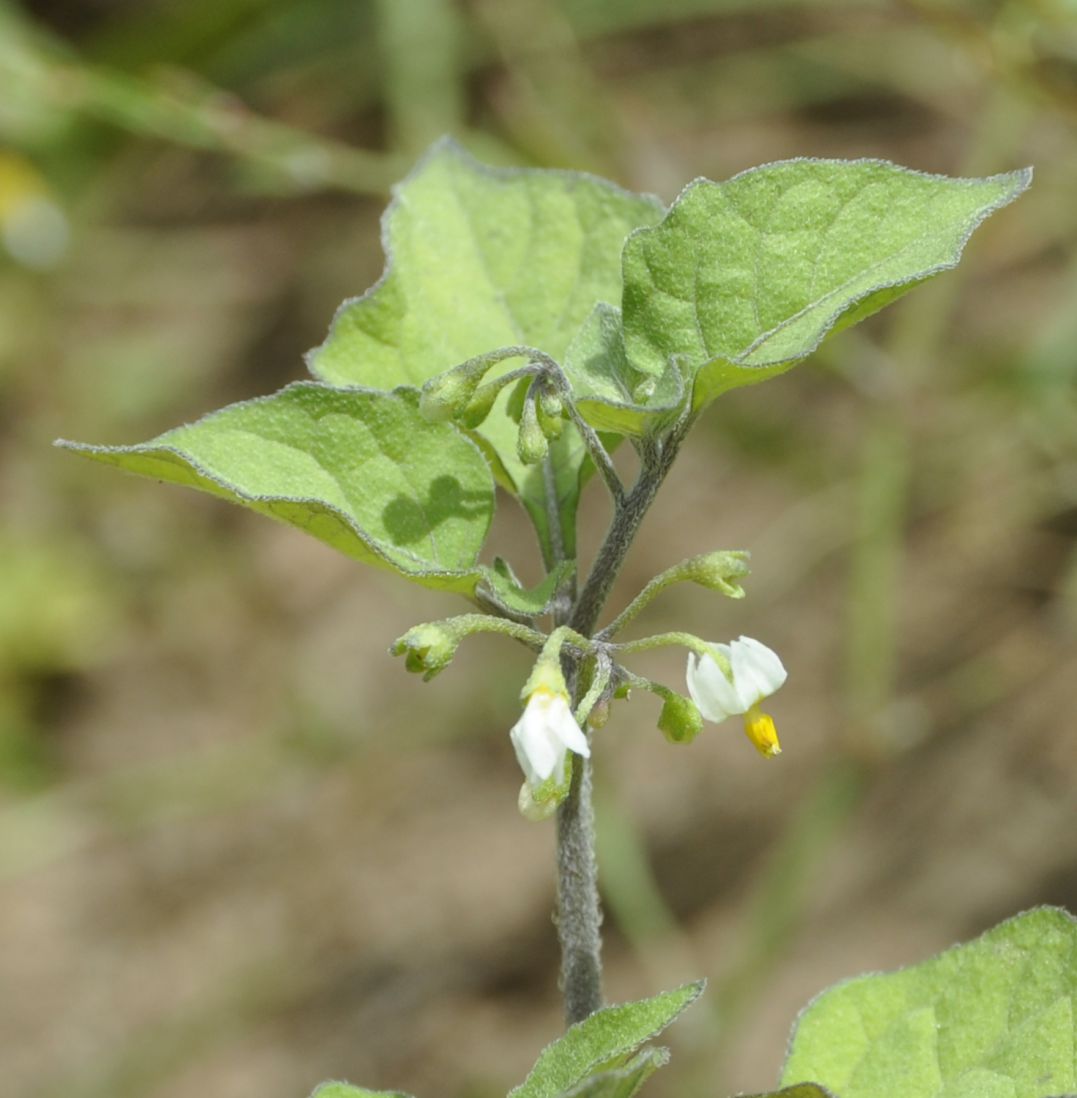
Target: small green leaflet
(501, 587)
(611, 395)
(346, 1090)
(743, 279)
(477, 259)
(360, 470)
(622, 1082)
(801, 1090)
(600, 1041)
(993, 1018)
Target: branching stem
(579, 913)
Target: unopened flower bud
(449, 394)
(719, 571)
(600, 714)
(552, 426)
(680, 720)
(531, 443)
(427, 649)
(479, 406)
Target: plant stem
(579, 913)
(657, 460)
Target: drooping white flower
(754, 673)
(543, 735)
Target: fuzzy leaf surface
(501, 587)
(607, 1035)
(622, 1082)
(610, 393)
(993, 1018)
(745, 278)
(346, 1090)
(799, 1090)
(360, 470)
(478, 259)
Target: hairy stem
(579, 913)
(657, 458)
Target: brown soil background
(240, 849)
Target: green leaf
(994, 1017)
(478, 259)
(603, 1037)
(622, 1082)
(610, 394)
(801, 1090)
(501, 587)
(346, 1090)
(360, 470)
(743, 279)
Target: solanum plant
(529, 323)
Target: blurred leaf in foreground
(993, 1018)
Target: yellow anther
(759, 728)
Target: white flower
(542, 736)
(755, 672)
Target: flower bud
(480, 406)
(531, 443)
(551, 404)
(449, 394)
(719, 570)
(427, 649)
(680, 720)
(551, 425)
(599, 714)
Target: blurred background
(241, 850)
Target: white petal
(536, 750)
(568, 731)
(712, 692)
(757, 670)
(543, 733)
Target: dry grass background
(240, 850)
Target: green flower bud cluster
(461, 395)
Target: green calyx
(718, 571)
(680, 720)
(450, 395)
(546, 675)
(532, 444)
(427, 649)
(541, 803)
